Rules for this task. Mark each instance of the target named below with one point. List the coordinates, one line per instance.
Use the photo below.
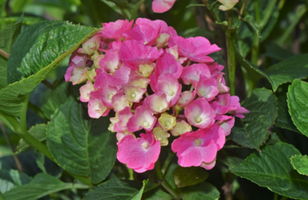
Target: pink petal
(160, 6)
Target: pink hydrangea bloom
(139, 154)
(147, 78)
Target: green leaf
(279, 73)
(13, 95)
(256, 124)
(128, 8)
(284, 119)
(139, 194)
(277, 52)
(10, 179)
(53, 99)
(40, 186)
(251, 21)
(271, 168)
(81, 146)
(200, 192)
(159, 194)
(7, 39)
(297, 103)
(187, 176)
(254, 72)
(169, 174)
(282, 72)
(40, 160)
(300, 163)
(44, 44)
(115, 189)
(38, 131)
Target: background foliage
(264, 157)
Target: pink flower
(199, 148)
(160, 6)
(145, 31)
(110, 62)
(185, 98)
(134, 53)
(207, 88)
(120, 121)
(143, 118)
(96, 108)
(200, 114)
(91, 45)
(85, 91)
(226, 123)
(236, 108)
(191, 74)
(139, 154)
(194, 48)
(168, 64)
(114, 30)
(169, 86)
(157, 103)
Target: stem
(275, 196)
(131, 173)
(48, 84)
(255, 49)
(255, 42)
(167, 162)
(9, 143)
(23, 115)
(268, 13)
(231, 55)
(4, 54)
(38, 111)
(243, 7)
(300, 11)
(164, 183)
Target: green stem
(231, 55)
(275, 196)
(243, 7)
(268, 13)
(300, 11)
(4, 54)
(9, 143)
(164, 183)
(255, 49)
(256, 41)
(131, 173)
(23, 115)
(36, 144)
(167, 162)
(38, 111)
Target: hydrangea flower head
(158, 89)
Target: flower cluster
(157, 84)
